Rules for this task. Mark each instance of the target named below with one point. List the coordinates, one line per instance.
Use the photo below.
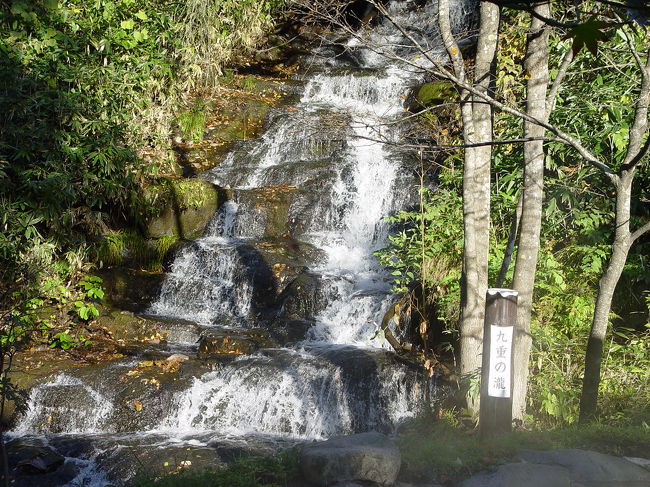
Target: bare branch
(551, 98)
(639, 128)
(439, 70)
(641, 231)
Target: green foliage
(129, 248)
(46, 317)
(245, 472)
(65, 341)
(192, 121)
(87, 86)
(441, 220)
(214, 30)
(576, 233)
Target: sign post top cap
(502, 291)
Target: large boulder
(589, 466)
(366, 457)
(304, 297)
(522, 474)
(564, 468)
(181, 208)
(33, 463)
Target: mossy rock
(267, 209)
(181, 208)
(431, 94)
(436, 93)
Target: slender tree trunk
(637, 151)
(607, 285)
(478, 193)
(477, 128)
(536, 67)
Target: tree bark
(536, 67)
(477, 128)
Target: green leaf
(142, 15)
(127, 24)
(588, 34)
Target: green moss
(184, 193)
(111, 249)
(163, 244)
(436, 93)
(191, 193)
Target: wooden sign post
(496, 374)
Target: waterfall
(293, 246)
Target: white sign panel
(500, 353)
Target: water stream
(309, 196)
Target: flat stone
(33, 456)
(366, 457)
(589, 466)
(612, 483)
(641, 462)
(221, 343)
(522, 474)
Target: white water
(204, 283)
(47, 404)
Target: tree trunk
(536, 67)
(477, 128)
(622, 242)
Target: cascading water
(308, 196)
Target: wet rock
(116, 396)
(183, 208)
(124, 325)
(304, 298)
(365, 457)
(33, 463)
(230, 451)
(286, 259)
(123, 459)
(131, 461)
(588, 466)
(217, 344)
(129, 289)
(642, 462)
(263, 211)
(32, 456)
(290, 331)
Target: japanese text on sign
(500, 353)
